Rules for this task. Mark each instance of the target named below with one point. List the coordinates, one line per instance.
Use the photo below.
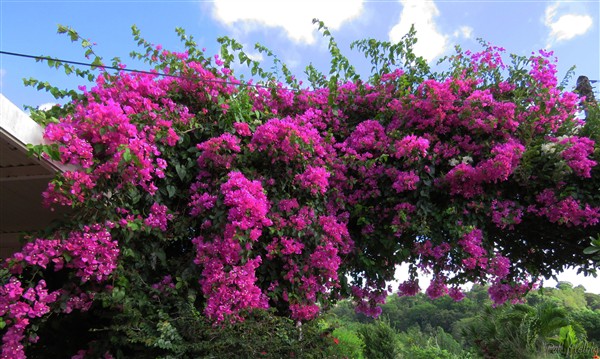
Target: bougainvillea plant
(197, 196)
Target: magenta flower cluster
(17, 307)
(275, 198)
(92, 252)
(577, 154)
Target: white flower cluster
(548, 148)
(466, 160)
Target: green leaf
(134, 195)
(53, 152)
(171, 191)
(181, 172)
(33, 150)
(128, 252)
(73, 35)
(97, 62)
(127, 155)
(133, 226)
(591, 250)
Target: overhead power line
(145, 72)
(156, 73)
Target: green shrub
(380, 340)
(350, 345)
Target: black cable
(156, 73)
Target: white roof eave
(17, 128)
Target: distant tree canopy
(544, 325)
(199, 197)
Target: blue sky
(570, 28)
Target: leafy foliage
(541, 327)
(198, 199)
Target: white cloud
(431, 42)
(252, 53)
(294, 16)
(2, 73)
(566, 26)
(464, 32)
(46, 106)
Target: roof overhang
(22, 178)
